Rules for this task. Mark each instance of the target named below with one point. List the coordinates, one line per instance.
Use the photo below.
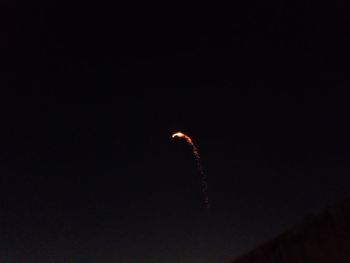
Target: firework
(204, 185)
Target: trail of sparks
(204, 184)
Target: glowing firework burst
(204, 185)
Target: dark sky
(91, 93)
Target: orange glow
(182, 135)
(204, 186)
(178, 134)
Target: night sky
(91, 93)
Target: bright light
(195, 151)
(178, 134)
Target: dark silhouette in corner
(319, 239)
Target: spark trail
(204, 184)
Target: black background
(91, 93)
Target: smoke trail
(204, 184)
